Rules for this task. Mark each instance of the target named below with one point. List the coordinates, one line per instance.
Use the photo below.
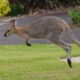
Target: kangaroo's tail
(73, 37)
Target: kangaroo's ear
(13, 23)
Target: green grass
(38, 62)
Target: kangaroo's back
(45, 25)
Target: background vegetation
(4, 7)
(75, 16)
(18, 7)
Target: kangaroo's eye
(8, 30)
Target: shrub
(16, 9)
(4, 7)
(75, 16)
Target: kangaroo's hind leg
(67, 48)
(56, 39)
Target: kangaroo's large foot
(28, 44)
(69, 62)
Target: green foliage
(44, 4)
(4, 7)
(16, 9)
(75, 16)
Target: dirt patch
(74, 59)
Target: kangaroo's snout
(5, 35)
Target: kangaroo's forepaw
(28, 44)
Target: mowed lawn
(38, 62)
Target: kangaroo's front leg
(28, 44)
(26, 36)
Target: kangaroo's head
(11, 30)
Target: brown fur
(51, 28)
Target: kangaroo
(50, 27)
